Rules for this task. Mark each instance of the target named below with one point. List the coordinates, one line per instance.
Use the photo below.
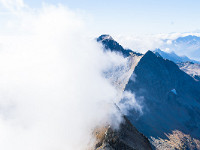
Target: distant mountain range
(173, 56)
(170, 95)
(190, 41)
(190, 45)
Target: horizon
(126, 17)
(63, 88)
(138, 25)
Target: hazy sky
(135, 17)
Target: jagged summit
(110, 44)
(164, 111)
(169, 95)
(104, 37)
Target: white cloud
(140, 43)
(13, 5)
(129, 102)
(52, 91)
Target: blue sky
(136, 17)
(133, 17)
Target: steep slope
(171, 98)
(176, 141)
(119, 75)
(126, 137)
(190, 68)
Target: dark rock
(126, 137)
(110, 44)
(165, 110)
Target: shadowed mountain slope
(171, 98)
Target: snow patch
(174, 91)
(107, 37)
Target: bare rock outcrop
(127, 137)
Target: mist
(53, 91)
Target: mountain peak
(110, 44)
(163, 87)
(104, 37)
(149, 54)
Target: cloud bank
(52, 89)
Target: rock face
(193, 69)
(177, 140)
(110, 44)
(189, 66)
(126, 137)
(171, 98)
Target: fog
(52, 88)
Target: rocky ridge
(170, 98)
(127, 137)
(176, 140)
(193, 69)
